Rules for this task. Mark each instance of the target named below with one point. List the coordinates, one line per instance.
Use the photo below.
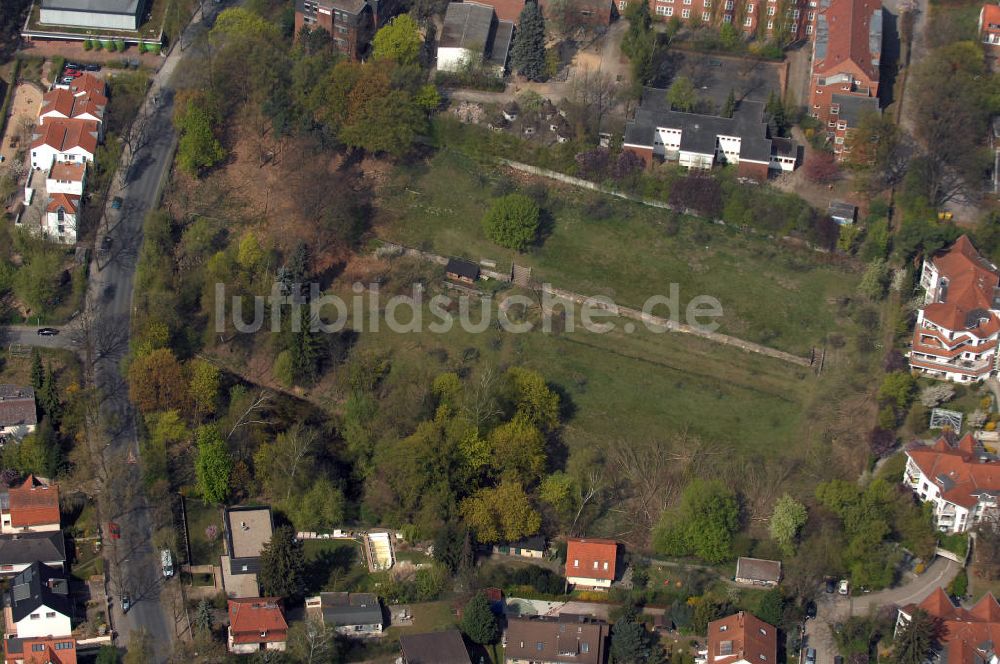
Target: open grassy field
(640, 385)
(596, 244)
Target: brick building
(762, 19)
(351, 23)
(989, 27)
(847, 53)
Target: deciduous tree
(681, 94)
(500, 514)
(399, 40)
(213, 465)
(512, 221)
(787, 520)
(703, 525)
(156, 382)
(204, 387)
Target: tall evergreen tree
(49, 397)
(916, 641)
(282, 565)
(528, 55)
(37, 370)
(479, 622)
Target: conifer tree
(528, 55)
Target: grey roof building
(101, 14)
(473, 34)
(758, 572)
(697, 140)
(854, 107)
(352, 614)
(38, 585)
(445, 647)
(19, 551)
(17, 409)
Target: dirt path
(27, 99)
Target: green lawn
(598, 244)
(642, 385)
(200, 516)
(334, 565)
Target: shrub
(120, 45)
(88, 45)
(98, 44)
(512, 221)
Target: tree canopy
(479, 623)
(282, 565)
(512, 221)
(398, 40)
(703, 525)
(527, 57)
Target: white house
(958, 327)
(473, 36)
(61, 212)
(39, 604)
(64, 140)
(66, 178)
(591, 562)
(63, 104)
(962, 482)
(18, 416)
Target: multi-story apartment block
(351, 23)
(961, 482)
(782, 20)
(847, 52)
(958, 327)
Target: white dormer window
(576, 563)
(723, 628)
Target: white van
(167, 562)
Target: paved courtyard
(27, 98)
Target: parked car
(810, 610)
(47, 331)
(811, 656)
(829, 585)
(92, 67)
(73, 65)
(114, 530)
(116, 203)
(838, 660)
(844, 587)
(106, 242)
(73, 72)
(126, 603)
(66, 80)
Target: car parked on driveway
(92, 67)
(126, 603)
(810, 656)
(47, 331)
(66, 80)
(116, 203)
(829, 586)
(844, 587)
(75, 73)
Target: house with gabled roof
(847, 54)
(31, 507)
(17, 552)
(758, 572)
(962, 482)
(958, 326)
(40, 650)
(565, 639)
(255, 624)
(64, 140)
(62, 104)
(969, 636)
(474, 36)
(989, 27)
(18, 414)
(350, 614)
(38, 603)
(741, 638)
(591, 562)
(66, 178)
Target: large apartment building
(847, 53)
(351, 23)
(763, 19)
(962, 482)
(958, 327)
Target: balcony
(968, 367)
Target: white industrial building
(99, 14)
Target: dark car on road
(810, 610)
(116, 203)
(92, 67)
(829, 586)
(47, 331)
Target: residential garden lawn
(334, 565)
(199, 517)
(427, 617)
(597, 244)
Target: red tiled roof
(67, 172)
(742, 636)
(991, 18)
(958, 471)
(22, 650)
(64, 135)
(966, 631)
(17, 406)
(596, 558)
(88, 84)
(68, 105)
(849, 23)
(34, 503)
(67, 202)
(252, 617)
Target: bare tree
(312, 641)
(480, 405)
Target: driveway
(832, 608)
(27, 335)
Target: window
(831, 124)
(770, 25)
(727, 19)
(50, 614)
(811, 15)
(839, 140)
(707, 4)
(584, 648)
(771, 10)
(61, 214)
(37, 647)
(539, 646)
(576, 563)
(670, 11)
(686, 13)
(621, 5)
(748, 22)
(763, 631)
(834, 110)
(35, 616)
(723, 628)
(763, 657)
(749, 9)
(706, 16)
(809, 29)
(605, 565)
(595, 564)
(729, 4)
(796, 13)
(662, 11)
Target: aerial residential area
(500, 331)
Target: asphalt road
(134, 562)
(27, 335)
(833, 608)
